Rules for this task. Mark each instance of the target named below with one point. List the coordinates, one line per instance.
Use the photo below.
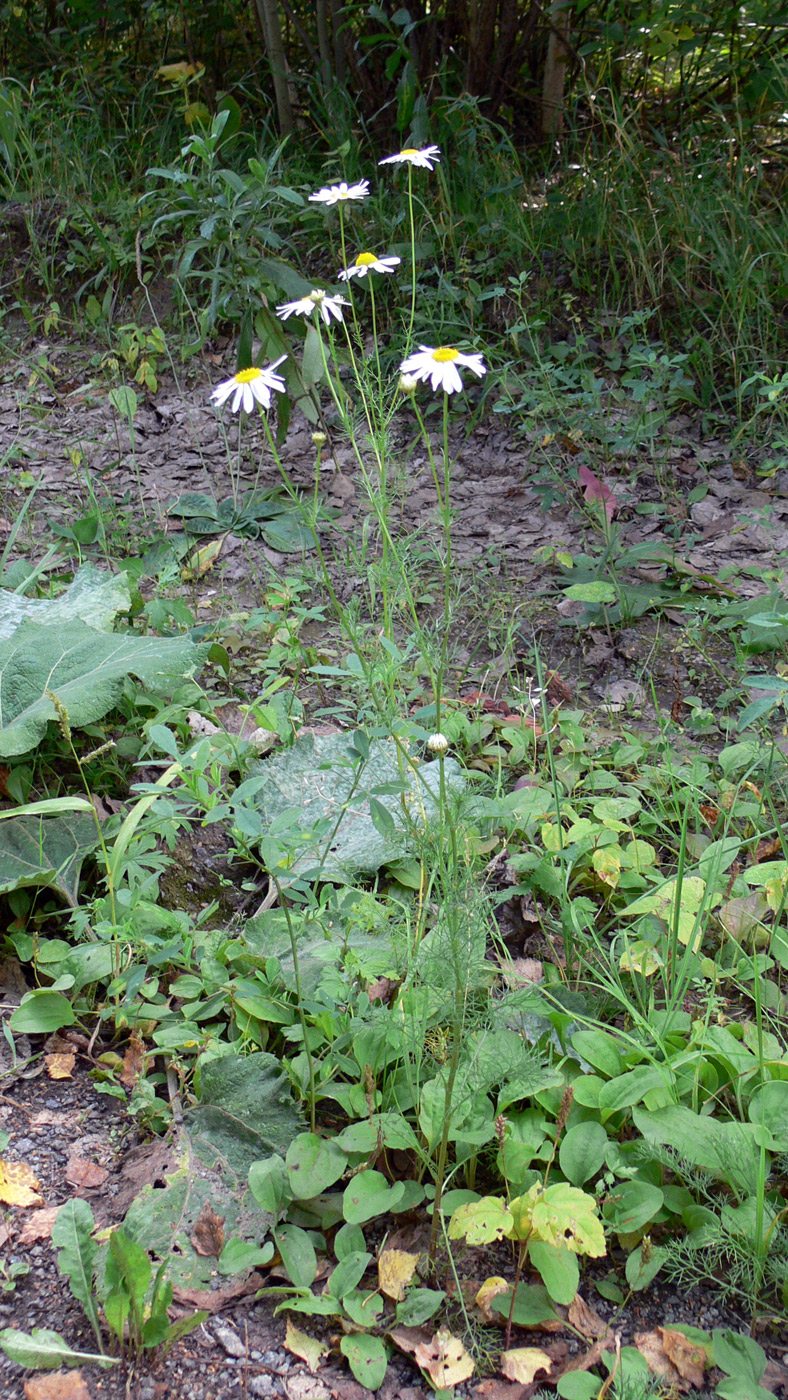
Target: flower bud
(437, 743)
(407, 384)
(319, 439)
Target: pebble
(229, 1339)
(264, 1386)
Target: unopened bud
(437, 743)
(407, 384)
(319, 439)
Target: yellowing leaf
(522, 1363)
(606, 861)
(202, 560)
(640, 957)
(176, 72)
(491, 1288)
(60, 1066)
(444, 1359)
(309, 1349)
(18, 1185)
(481, 1222)
(565, 1215)
(395, 1271)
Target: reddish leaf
(595, 490)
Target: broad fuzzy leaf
(46, 852)
(315, 780)
(85, 669)
(94, 597)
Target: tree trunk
(272, 31)
(555, 68)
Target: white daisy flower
(440, 367)
(410, 156)
(368, 262)
(336, 194)
(250, 386)
(318, 300)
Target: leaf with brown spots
(208, 1234)
(18, 1185)
(444, 1359)
(395, 1271)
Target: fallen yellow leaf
(444, 1359)
(395, 1271)
(491, 1288)
(18, 1185)
(309, 1349)
(60, 1066)
(522, 1363)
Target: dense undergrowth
(484, 964)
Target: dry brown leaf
(395, 1271)
(60, 1066)
(4, 1236)
(207, 1236)
(212, 1300)
(48, 1119)
(775, 1377)
(688, 1357)
(382, 989)
(584, 1319)
(409, 1338)
(491, 1288)
(444, 1359)
(58, 1385)
(38, 1225)
(522, 1363)
(84, 1173)
(499, 1390)
(133, 1061)
(308, 1349)
(18, 1185)
(650, 1346)
(522, 972)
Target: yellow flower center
(365, 259)
(246, 376)
(317, 296)
(444, 354)
(409, 151)
(344, 193)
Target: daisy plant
(380, 653)
(249, 389)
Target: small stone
(229, 1339)
(263, 1385)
